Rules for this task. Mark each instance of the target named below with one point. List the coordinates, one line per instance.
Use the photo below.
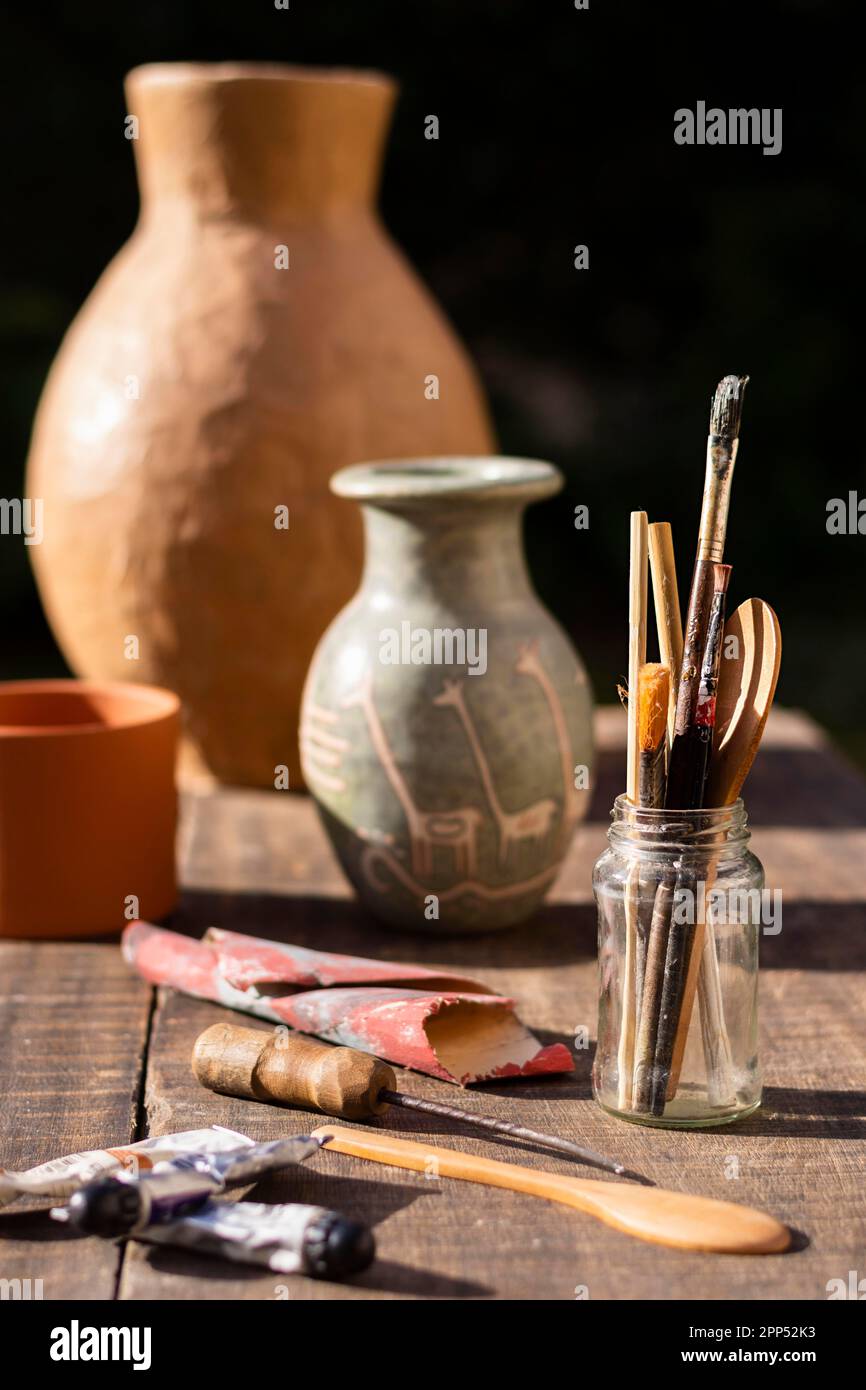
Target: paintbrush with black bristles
(688, 763)
(725, 417)
(669, 944)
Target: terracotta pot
(202, 387)
(447, 721)
(87, 806)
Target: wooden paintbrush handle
(650, 1213)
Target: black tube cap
(335, 1247)
(105, 1208)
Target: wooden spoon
(747, 684)
(650, 1213)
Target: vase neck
(260, 142)
(466, 558)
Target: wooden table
(90, 1057)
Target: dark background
(556, 129)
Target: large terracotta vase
(447, 720)
(258, 330)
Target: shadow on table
(808, 787)
(803, 1113)
(369, 1200)
(34, 1223)
(559, 934)
(815, 935)
(383, 1276)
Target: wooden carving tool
(649, 1213)
(669, 622)
(294, 1069)
(747, 685)
(637, 615)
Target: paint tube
(62, 1176)
(123, 1204)
(291, 1238)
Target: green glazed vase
(446, 722)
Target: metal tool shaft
(549, 1141)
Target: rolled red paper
(449, 1026)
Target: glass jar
(680, 899)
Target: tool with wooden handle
(650, 1213)
(294, 1069)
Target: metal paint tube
(122, 1205)
(291, 1238)
(60, 1177)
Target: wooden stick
(644, 1076)
(637, 612)
(637, 615)
(650, 1213)
(669, 622)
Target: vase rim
(219, 73)
(456, 477)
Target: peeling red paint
(366, 1004)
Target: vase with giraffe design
(446, 722)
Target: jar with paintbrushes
(666, 879)
(680, 895)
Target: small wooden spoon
(747, 684)
(650, 1213)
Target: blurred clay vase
(87, 806)
(446, 728)
(257, 331)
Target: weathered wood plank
(73, 1027)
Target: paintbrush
(725, 417)
(697, 741)
(653, 687)
(669, 622)
(652, 696)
